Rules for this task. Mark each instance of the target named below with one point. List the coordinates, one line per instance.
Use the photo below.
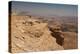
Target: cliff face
(29, 34)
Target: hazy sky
(45, 9)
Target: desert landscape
(32, 32)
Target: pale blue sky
(45, 9)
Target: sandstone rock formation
(29, 34)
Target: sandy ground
(70, 40)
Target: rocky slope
(29, 34)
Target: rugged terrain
(30, 34)
(33, 33)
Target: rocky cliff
(29, 34)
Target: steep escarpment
(30, 34)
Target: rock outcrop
(29, 34)
(57, 33)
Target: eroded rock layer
(29, 34)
